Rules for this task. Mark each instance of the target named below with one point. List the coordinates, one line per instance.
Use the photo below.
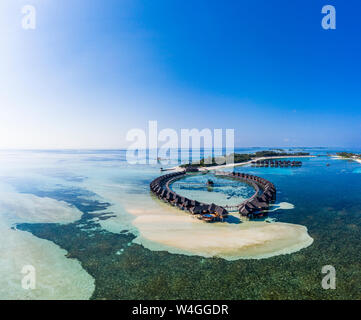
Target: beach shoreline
(161, 228)
(344, 158)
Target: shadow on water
(233, 219)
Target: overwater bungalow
(204, 209)
(268, 194)
(264, 198)
(244, 211)
(186, 204)
(178, 201)
(196, 210)
(194, 203)
(212, 208)
(259, 205)
(170, 196)
(269, 188)
(221, 212)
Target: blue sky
(92, 70)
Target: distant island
(349, 155)
(241, 158)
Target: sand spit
(177, 232)
(343, 158)
(29, 208)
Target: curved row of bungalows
(264, 184)
(276, 163)
(255, 206)
(206, 212)
(161, 181)
(265, 194)
(268, 188)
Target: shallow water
(224, 192)
(134, 247)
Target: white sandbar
(173, 230)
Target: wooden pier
(276, 164)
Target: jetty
(265, 193)
(275, 164)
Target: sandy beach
(343, 158)
(175, 231)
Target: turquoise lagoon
(88, 224)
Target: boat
(210, 183)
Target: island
(241, 158)
(349, 156)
